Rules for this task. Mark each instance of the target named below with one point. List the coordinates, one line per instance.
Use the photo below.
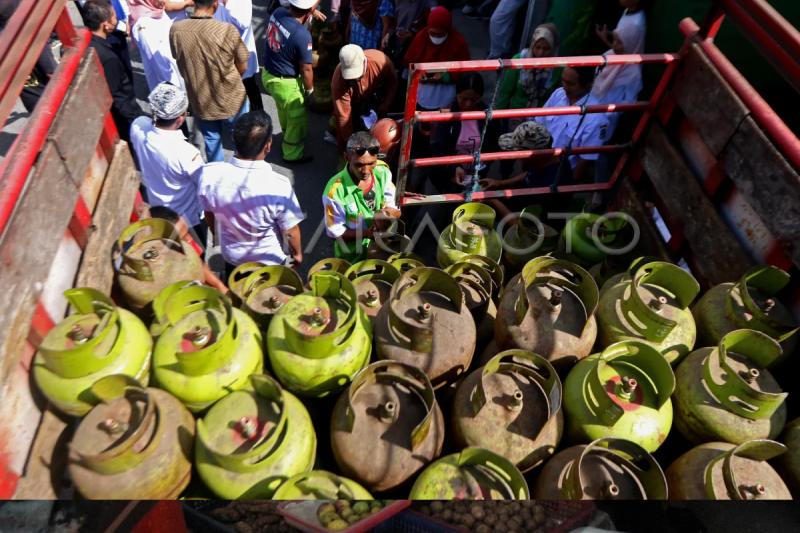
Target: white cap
(353, 61)
(303, 4)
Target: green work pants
(289, 95)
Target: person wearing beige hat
(364, 81)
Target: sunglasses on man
(373, 150)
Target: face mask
(438, 40)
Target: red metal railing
(413, 117)
(778, 41)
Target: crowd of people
(204, 62)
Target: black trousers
(253, 93)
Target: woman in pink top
(463, 137)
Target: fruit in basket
(320, 485)
(352, 519)
(325, 508)
(346, 513)
(337, 525)
(341, 505)
(361, 507)
(327, 518)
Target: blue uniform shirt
(593, 131)
(288, 45)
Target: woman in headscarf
(621, 84)
(438, 41)
(370, 21)
(526, 88)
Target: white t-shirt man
(252, 204)
(171, 168)
(593, 131)
(152, 39)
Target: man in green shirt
(357, 196)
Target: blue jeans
(501, 27)
(212, 133)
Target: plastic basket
(359, 527)
(569, 514)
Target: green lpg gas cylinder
(321, 339)
(389, 242)
(724, 394)
(426, 324)
(529, 238)
(788, 464)
(472, 474)
(146, 264)
(471, 232)
(512, 407)
(253, 440)
(749, 303)
(406, 261)
(387, 426)
(237, 279)
(99, 340)
(623, 392)
(268, 289)
(160, 322)
(519, 277)
(606, 469)
(624, 276)
(373, 280)
(209, 349)
(477, 286)
(723, 471)
(321, 485)
(332, 264)
(135, 444)
(551, 314)
(591, 237)
(494, 269)
(651, 305)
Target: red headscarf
(422, 49)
